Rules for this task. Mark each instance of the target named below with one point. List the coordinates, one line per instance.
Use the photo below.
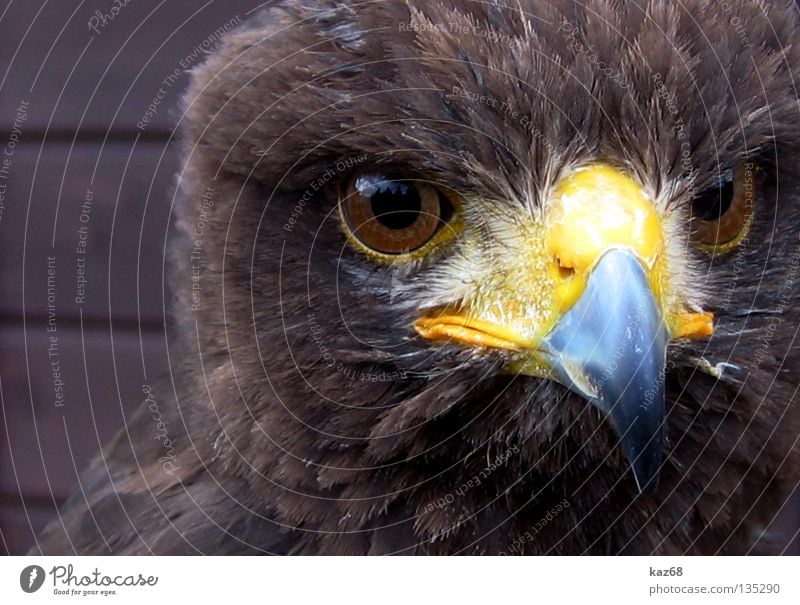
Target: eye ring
(395, 219)
(722, 215)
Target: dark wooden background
(86, 91)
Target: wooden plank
(77, 77)
(97, 217)
(52, 435)
(19, 526)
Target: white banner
(401, 580)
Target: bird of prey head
(483, 277)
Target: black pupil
(396, 205)
(713, 203)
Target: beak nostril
(564, 272)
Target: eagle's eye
(722, 214)
(394, 216)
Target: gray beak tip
(645, 462)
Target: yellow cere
(596, 209)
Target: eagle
(474, 277)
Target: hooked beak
(611, 349)
(609, 324)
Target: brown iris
(723, 213)
(392, 216)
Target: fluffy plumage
(306, 416)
